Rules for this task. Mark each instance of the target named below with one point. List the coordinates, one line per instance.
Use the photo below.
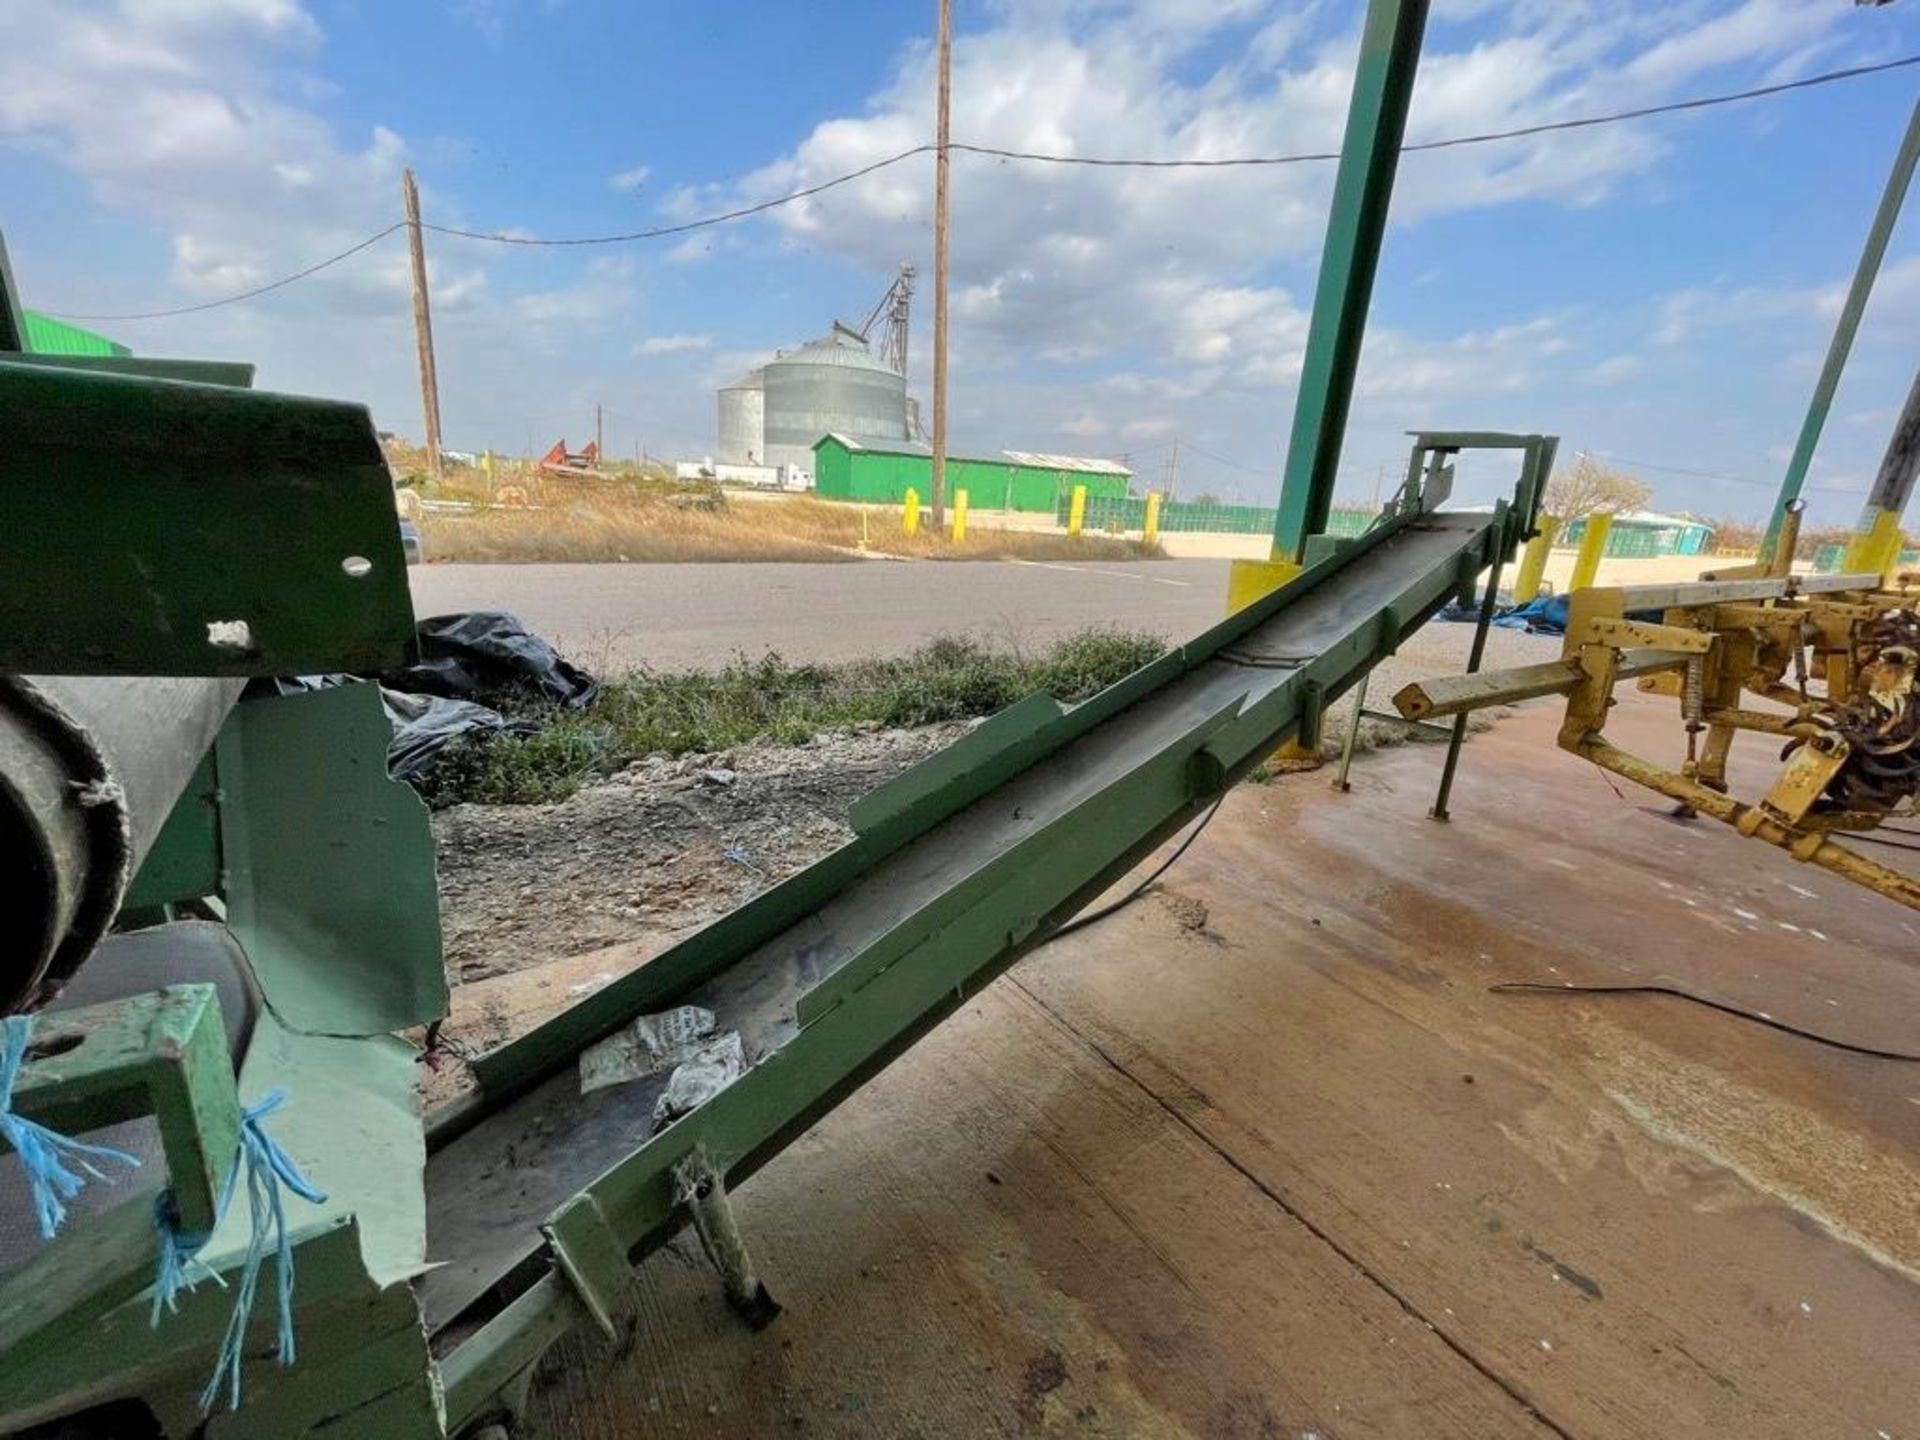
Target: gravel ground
(666, 845)
(670, 843)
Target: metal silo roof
(837, 349)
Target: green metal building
(48, 336)
(846, 467)
(1640, 533)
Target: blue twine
(179, 1252)
(268, 1168)
(46, 1158)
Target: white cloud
(672, 344)
(1686, 314)
(1094, 262)
(601, 297)
(630, 179)
(1618, 368)
(176, 111)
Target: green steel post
(13, 319)
(1369, 155)
(1863, 277)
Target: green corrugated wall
(48, 336)
(884, 477)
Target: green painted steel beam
(13, 316)
(1369, 158)
(165, 527)
(327, 864)
(1864, 274)
(235, 373)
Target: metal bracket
(593, 1260)
(1625, 634)
(164, 1054)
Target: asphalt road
(668, 616)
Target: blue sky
(1659, 292)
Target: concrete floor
(1263, 1156)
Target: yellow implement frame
(1767, 634)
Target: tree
(1589, 488)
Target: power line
(258, 290)
(1710, 474)
(502, 239)
(760, 207)
(661, 232)
(1265, 471)
(1700, 102)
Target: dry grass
(642, 519)
(674, 712)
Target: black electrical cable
(662, 231)
(1872, 839)
(258, 290)
(1080, 922)
(659, 232)
(1700, 102)
(1538, 987)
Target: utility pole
(423, 325)
(941, 216)
(599, 442)
(1173, 469)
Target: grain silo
(743, 421)
(835, 383)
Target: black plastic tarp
(489, 657)
(478, 675)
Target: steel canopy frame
(1864, 274)
(1369, 159)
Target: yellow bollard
(1077, 510)
(1248, 581)
(1150, 530)
(1533, 561)
(1593, 544)
(910, 515)
(959, 517)
(1876, 547)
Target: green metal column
(1369, 156)
(1864, 275)
(13, 319)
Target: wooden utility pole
(940, 218)
(599, 442)
(1173, 469)
(423, 326)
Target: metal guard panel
(135, 512)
